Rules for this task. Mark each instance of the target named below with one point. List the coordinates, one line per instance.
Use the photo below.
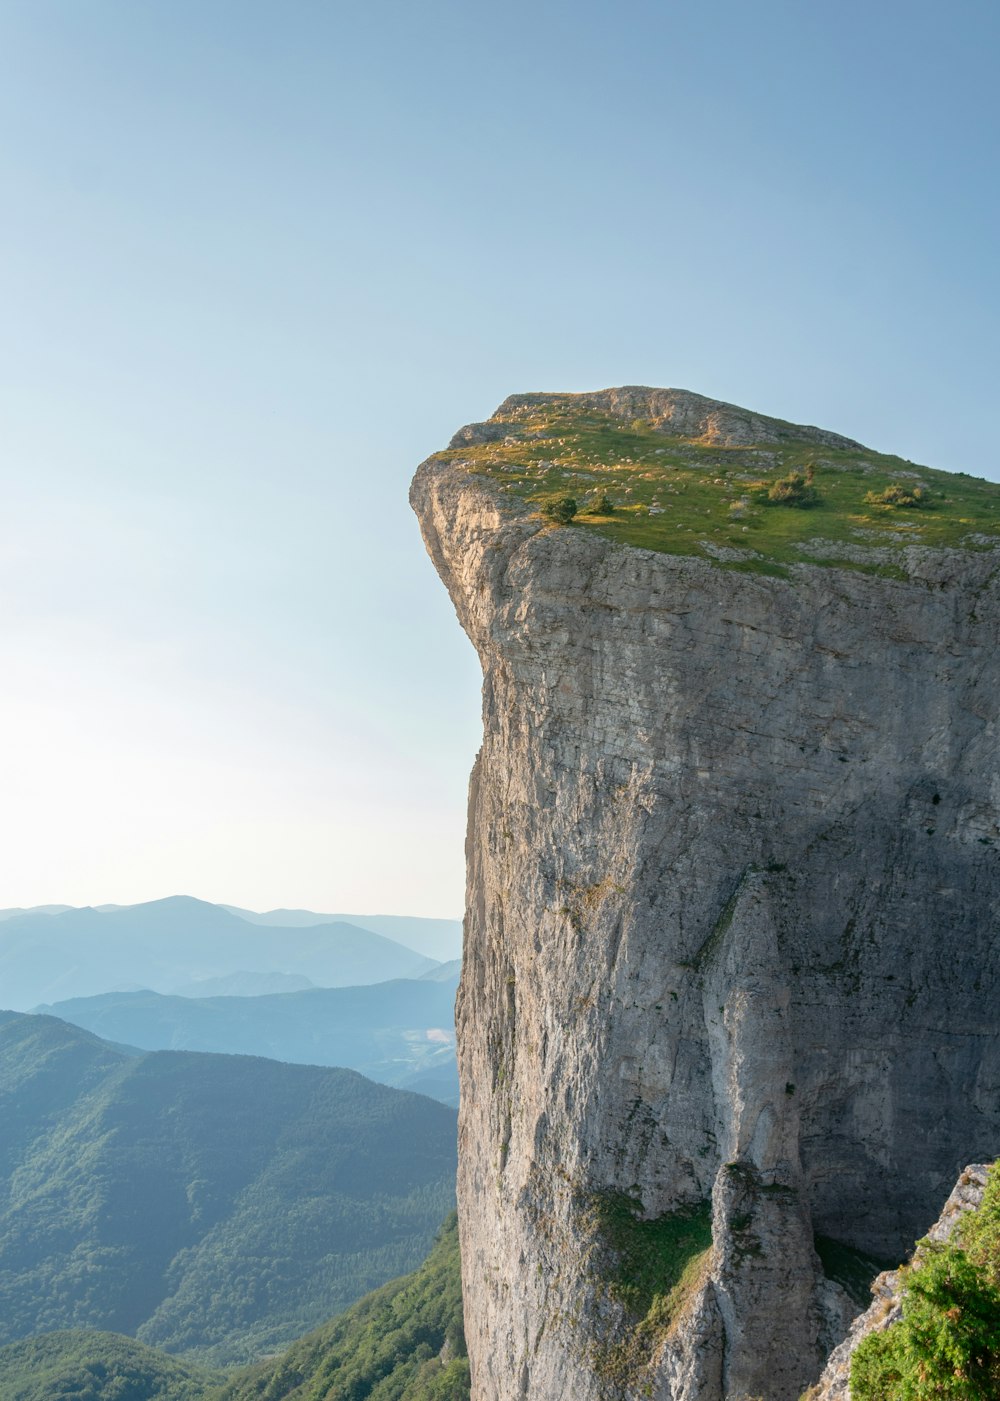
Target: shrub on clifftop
(560, 509)
(796, 489)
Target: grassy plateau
(760, 507)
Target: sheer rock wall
(730, 934)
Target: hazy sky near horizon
(257, 260)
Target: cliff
(731, 970)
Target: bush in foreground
(946, 1347)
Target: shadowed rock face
(730, 933)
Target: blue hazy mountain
(400, 1032)
(444, 973)
(437, 938)
(33, 910)
(218, 1205)
(246, 984)
(163, 944)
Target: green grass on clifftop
(689, 497)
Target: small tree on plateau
(796, 489)
(560, 509)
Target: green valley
(403, 1342)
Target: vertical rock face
(730, 939)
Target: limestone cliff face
(730, 936)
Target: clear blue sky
(258, 259)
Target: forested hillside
(218, 1205)
(405, 1342)
(78, 1365)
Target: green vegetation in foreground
(77, 1365)
(650, 1267)
(676, 495)
(947, 1344)
(403, 1343)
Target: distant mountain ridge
(444, 973)
(215, 1205)
(434, 938)
(163, 944)
(15, 910)
(243, 983)
(399, 1032)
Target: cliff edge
(728, 1006)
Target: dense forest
(404, 1342)
(84, 1365)
(214, 1205)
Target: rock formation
(731, 925)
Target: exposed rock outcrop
(730, 935)
(673, 411)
